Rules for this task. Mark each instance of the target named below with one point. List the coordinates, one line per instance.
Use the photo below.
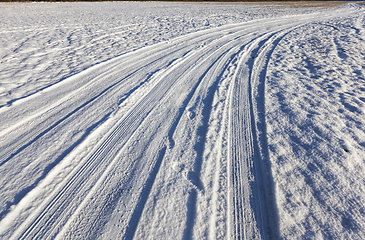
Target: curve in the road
(139, 100)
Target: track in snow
(94, 154)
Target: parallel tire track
(252, 203)
(152, 78)
(100, 157)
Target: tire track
(199, 65)
(253, 202)
(18, 197)
(107, 147)
(123, 130)
(249, 136)
(93, 100)
(247, 203)
(41, 132)
(262, 165)
(201, 132)
(133, 222)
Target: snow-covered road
(175, 139)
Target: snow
(162, 120)
(50, 42)
(316, 133)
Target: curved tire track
(149, 83)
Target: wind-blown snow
(43, 43)
(316, 129)
(181, 120)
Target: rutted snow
(180, 120)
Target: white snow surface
(160, 120)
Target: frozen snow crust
(156, 120)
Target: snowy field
(155, 120)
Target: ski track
(127, 115)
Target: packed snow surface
(155, 120)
